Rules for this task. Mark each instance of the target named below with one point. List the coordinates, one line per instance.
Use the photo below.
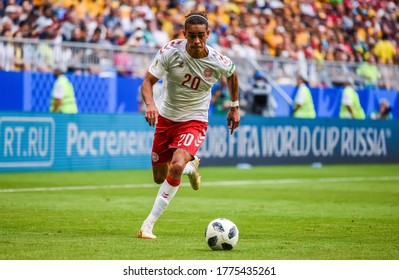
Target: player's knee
(158, 179)
(176, 168)
(159, 173)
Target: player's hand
(233, 119)
(151, 114)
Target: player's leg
(164, 195)
(160, 157)
(194, 135)
(178, 152)
(159, 172)
(192, 172)
(166, 192)
(179, 161)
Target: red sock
(173, 182)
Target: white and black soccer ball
(221, 234)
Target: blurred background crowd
(329, 30)
(326, 41)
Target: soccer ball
(221, 234)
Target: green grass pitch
(341, 212)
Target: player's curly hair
(196, 17)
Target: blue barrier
(30, 92)
(42, 141)
(11, 91)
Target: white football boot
(195, 177)
(146, 231)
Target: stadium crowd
(329, 30)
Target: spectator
(300, 20)
(149, 35)
(10, 20)
(297, 30)
(160, 36)
(369, 72)
(384, 49)
(97, 22)
(45, 53)
(96, 37)
(46, 19)
(350, 103)
(111, 18)
(303, 107)
(72, 22)
(77, 53)
(26, 9)
(81, 9)
(25, 28)
(384, 111)
(137, 40)
(123, 62)
(389, 78)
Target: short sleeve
(157, 67)
(228, 66)
(224, 64)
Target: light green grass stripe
(214, 183)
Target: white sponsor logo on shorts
(154, 157)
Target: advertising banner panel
(268, 141)
(74, 142)
(38, 142)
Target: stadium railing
(325, 73)
(41, 55)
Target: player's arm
(233, 117)
(151, 110)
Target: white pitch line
(214, 183)
(78, 188)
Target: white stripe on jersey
(188, 81)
